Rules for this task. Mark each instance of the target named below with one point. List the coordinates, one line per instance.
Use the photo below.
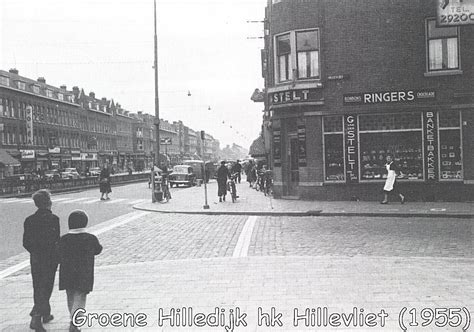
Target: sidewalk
(252, 202)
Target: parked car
(70, 173)
(182, 174)
(52, 174)
(94, 171)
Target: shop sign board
(430, 148)
(293, 96)
(88, 156)
(455, 12)
(277, 147)
(388, 97)
(76, 155)
(27, 154)
(29, 125)
(56, 149)
(351, 145)
(302, 145)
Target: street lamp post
(157, 109)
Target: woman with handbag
(104, 183)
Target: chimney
(104, 99)
(41, 80)
(63, 87)
(140, 112)
(14, 71)
(92, 94)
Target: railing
(18, 187)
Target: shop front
(42, 159)
(76, 160)
(345, 156)
(89, 159)
(28, 161)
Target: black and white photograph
(236, 165)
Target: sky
(206, 47)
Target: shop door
(294, 173)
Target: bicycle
(231, 187)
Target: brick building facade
(45, 127)
(349, 82)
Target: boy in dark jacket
(76, 272)
(40, 237)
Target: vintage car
(52, 174)
(70, 173)
(182, 174)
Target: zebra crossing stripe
(139, 201)
(116, 200)
(91, 201)
(76, 200)
(96, 230)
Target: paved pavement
(154, 261)
(252, 202)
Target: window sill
(443, 73)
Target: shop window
(399, 135)
(450, 146)
(1, 108)
(333, 148)
(443, 47)
(307, 54)
(283, 52)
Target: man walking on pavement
(237, 169)
(222, 175)
(40, 237)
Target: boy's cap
(78, 219)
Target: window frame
(293, 72)
(428, 70)
(289, 58)
(318, 50)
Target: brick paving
(154, 260)
(389, 236)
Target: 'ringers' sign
(388, 97)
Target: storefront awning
(257, 149)
(7, 160)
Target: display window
(333, 149)
(405, 147)
(450, 148)
(400, 135)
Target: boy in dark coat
(76, 253)
(40, 237)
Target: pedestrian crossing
(81, 200)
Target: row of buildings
(46, 127)
(349, 82)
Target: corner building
(350, 81)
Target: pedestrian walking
(222, 176)
(77, 250)
(104, 183)
(390, 182)
(237, 168)
(40, 238)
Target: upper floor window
(307, 51)
(60, 96)
(4, 80)
(443, 47)
(283, 53)
(297, 54)
(21, 85)
(49, 93)
(36, 89)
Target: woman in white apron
(390, 181)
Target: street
(154, 261)
(14, 211)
